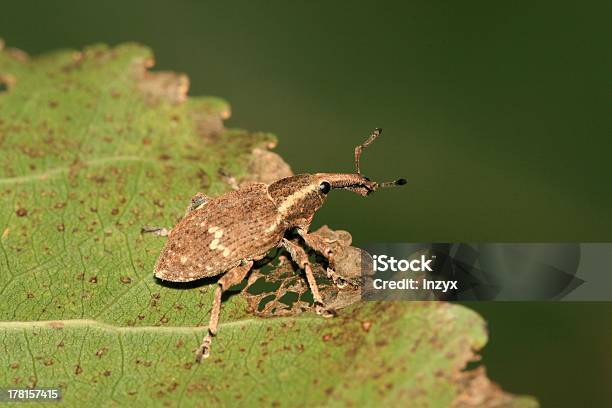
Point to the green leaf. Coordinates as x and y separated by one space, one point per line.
92 147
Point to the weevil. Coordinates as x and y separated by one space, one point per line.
225 235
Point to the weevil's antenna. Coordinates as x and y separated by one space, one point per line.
365 144
398 182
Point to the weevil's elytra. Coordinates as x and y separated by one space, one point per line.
226 234
217 236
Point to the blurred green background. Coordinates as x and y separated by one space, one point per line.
497 113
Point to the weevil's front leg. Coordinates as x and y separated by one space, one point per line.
320 245
232 277
300 257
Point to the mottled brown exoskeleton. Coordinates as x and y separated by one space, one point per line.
226 234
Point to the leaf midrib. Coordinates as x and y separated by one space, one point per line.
55 171
86 323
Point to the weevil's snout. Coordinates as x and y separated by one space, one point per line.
353 182
356 183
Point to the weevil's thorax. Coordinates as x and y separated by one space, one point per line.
297 198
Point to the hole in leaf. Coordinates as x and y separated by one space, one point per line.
238 287
307 297
262 286
472 365
265 301
289 298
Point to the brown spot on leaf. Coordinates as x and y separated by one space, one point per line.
100 179
476 390
14 365
125 280
155 299
101 351
93 279
145 363
21 212
366 325
61 227
7 82
78 369
163 86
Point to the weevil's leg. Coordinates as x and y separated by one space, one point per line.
321 246
196 201
231 278
375 133
229 179
300 257
159 231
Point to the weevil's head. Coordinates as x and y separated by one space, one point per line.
299 197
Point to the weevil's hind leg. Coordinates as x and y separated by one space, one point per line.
232 277
159 231
300 257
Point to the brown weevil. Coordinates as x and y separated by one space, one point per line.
226 234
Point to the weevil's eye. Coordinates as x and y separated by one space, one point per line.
324 187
